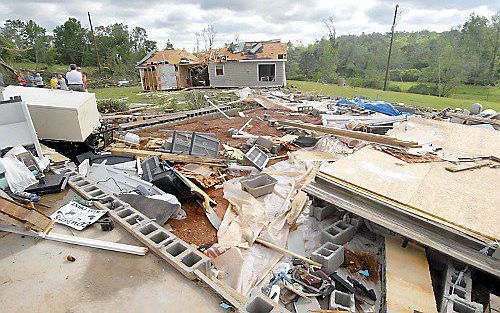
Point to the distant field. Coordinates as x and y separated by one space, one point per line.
470 95
466 92
401 97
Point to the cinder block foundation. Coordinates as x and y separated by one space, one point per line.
342 301
456 286
459 305
330 255
339 233
324 212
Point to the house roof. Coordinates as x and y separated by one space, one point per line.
257 50
171 56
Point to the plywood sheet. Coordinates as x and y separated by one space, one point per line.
467 200
408 281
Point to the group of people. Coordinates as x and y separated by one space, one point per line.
75 80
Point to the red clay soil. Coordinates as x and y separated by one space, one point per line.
196 228
220 125
355 262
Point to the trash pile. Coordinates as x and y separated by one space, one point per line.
277 201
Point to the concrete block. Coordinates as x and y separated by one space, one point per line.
342 301
264 143
459 305
339 233
321 213
356 221
330 255
259 303
304 306
455 286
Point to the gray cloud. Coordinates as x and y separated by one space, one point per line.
286 19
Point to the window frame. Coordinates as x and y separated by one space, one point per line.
223 70
258 72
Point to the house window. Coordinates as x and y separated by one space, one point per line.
219 70
281 56
267 72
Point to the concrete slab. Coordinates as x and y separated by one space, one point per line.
36 277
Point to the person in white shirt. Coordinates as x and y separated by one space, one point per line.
74 78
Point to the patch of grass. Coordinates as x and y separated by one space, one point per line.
464 92
391 96
133 94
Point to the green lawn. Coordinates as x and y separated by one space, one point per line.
399 97
133 94
465 92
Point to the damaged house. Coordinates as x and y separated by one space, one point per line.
168 69
252 64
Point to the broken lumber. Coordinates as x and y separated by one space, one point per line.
170 156
274 247
218 109
375 138
472 118
32 218
86 242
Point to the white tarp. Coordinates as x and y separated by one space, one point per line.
264 217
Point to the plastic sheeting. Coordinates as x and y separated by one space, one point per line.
374 106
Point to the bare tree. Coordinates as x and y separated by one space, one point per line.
198 36
209 37
330 26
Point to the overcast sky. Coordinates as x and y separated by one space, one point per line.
295 20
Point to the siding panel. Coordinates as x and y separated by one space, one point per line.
245 74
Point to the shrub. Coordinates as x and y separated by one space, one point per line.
111 105
394 88
372 83
424 89
411 75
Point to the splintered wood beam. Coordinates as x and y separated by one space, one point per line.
171 157
375 138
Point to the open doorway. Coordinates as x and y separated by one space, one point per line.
267 72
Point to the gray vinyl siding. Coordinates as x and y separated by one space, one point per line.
245 74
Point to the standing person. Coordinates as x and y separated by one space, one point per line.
53 82
62 83
74 78
21 80
38 80
29 80
84 77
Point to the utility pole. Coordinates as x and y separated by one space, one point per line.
390 47
95 46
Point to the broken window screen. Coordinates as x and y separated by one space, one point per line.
267 72
219 70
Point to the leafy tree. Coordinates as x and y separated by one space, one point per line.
70 40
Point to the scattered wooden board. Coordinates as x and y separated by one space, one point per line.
408 280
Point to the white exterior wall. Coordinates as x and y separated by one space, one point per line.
245 74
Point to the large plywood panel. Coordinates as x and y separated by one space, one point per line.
408 280
467 200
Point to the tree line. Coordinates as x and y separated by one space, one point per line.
118 46
438 62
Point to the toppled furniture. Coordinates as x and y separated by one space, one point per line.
16 126
259 185
257 157
59 114
194 143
